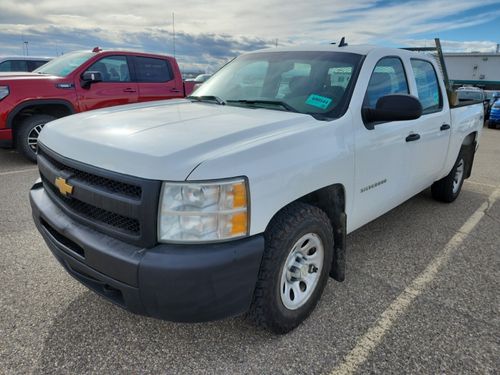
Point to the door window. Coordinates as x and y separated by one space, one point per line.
148 69
388 77
427 86
35 64
112 69
13 66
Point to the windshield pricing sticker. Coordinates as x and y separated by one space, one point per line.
318 101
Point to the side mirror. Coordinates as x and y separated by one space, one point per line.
394 107
90 77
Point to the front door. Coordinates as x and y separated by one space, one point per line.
116 87
382 157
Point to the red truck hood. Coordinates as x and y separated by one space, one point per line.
14 76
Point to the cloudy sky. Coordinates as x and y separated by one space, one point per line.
209 33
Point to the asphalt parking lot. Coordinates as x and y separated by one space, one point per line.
421 296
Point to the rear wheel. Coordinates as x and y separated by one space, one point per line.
448 188
28 133
491 125
294 268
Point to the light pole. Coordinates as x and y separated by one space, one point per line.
173 30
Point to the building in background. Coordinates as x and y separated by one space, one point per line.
474 68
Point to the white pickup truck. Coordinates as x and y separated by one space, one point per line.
239 198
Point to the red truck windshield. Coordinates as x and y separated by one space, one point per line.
316 83
65 64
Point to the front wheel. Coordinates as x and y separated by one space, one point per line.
448 188
294 268
28 133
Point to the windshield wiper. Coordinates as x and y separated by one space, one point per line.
254 102
207 98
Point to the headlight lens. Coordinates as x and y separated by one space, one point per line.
4 91
195 212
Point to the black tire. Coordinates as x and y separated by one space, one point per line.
445 190
491 125
28 132
290 225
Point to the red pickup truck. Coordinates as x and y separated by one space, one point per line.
81 81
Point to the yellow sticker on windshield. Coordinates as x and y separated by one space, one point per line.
318 101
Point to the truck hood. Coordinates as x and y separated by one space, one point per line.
165 140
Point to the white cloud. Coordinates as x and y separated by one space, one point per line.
128 23
454 46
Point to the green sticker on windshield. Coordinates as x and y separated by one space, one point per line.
318 101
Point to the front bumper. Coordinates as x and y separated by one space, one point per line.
184 283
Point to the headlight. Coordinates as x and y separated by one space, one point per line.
205 211
4 91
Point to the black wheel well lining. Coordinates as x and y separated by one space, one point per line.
468 147
55 108
332 200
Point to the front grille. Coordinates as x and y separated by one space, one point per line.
118 205
90 212
111 186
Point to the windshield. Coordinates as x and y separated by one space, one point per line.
65 64
316 83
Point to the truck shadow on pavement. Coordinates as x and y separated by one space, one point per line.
92 335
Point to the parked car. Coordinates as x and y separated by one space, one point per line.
466 94
492 97
239 198
200 79
494 119
21 63
81 81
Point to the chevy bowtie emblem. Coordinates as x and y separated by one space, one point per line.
64 188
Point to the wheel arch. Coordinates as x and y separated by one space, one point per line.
470 139
54 107
469 145
332 200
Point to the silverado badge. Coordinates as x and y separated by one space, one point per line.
64 188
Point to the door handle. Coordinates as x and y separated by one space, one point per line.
444 127
413 137
175 90
129 89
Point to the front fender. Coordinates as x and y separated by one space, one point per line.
287 167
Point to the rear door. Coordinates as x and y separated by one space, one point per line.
156 79
116 87
434 127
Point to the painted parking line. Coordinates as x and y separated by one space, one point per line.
372 338
18 171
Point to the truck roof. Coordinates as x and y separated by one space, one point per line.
30 58
124 51
362 49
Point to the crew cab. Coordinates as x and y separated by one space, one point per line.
77 82
238 199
